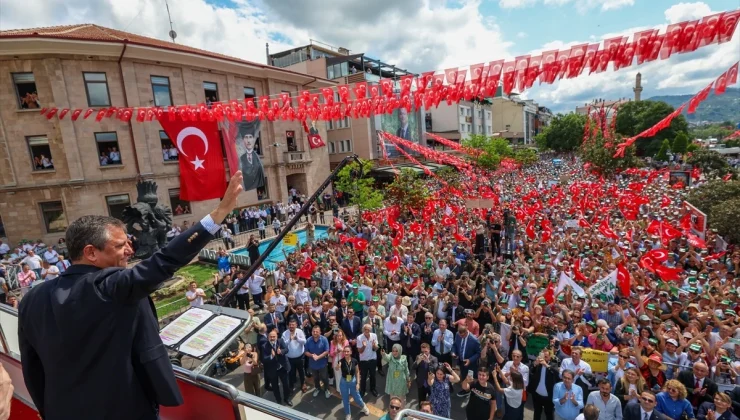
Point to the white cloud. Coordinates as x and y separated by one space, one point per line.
515 4
687 11
521 35
584 5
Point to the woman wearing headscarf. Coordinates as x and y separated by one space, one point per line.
398 379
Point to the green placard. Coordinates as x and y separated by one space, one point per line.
535 344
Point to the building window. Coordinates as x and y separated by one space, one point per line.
41 158
25 89
250 93
263 193
337 124
108 152
210 90
480 113
470 128
467 111
462 128
508 126
178 206
345 146
96 86
290 140
169 151
161 91
337 70
332 148
480 129
53 214
2 228
489 129
116 204
462 112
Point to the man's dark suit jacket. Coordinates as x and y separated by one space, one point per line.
632 412
686 377
89 339
273 363
271 325
423 368
552 376
356 329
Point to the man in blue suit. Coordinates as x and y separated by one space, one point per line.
275 361
274 320
467 352
89 339
352 327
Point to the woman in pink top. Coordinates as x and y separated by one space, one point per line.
338 343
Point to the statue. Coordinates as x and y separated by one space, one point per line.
148 221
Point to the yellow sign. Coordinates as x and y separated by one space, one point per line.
598 360
290 239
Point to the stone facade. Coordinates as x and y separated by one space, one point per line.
78 182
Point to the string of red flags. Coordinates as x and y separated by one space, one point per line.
449 86
727 78
454 145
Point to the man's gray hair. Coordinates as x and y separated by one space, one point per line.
89 230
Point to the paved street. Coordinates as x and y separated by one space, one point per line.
332 408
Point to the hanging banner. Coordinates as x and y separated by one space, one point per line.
605 288
698 220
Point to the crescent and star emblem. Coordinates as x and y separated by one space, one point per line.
192 131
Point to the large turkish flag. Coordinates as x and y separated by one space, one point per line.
202 174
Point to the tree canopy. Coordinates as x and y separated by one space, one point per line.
719 200
635 117
680 143
361 191
408 190
564 134
662 154
493 150
711 163
599 152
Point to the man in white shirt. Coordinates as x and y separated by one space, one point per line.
392 330
195 295
367 346
301 294
575 364
399 310
34 262
49 272
278 299
255 288
516 365
295 339
4 248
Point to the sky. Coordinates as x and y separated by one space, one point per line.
417 35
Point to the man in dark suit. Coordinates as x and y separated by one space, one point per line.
352 327
411 339
275 361
699 387
466 350
645 410
274 320
543 376
89 340
423 364
427 328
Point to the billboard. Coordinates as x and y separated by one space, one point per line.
403 124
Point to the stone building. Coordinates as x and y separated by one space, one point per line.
50 170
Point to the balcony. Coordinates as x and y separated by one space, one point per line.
297 157
361 77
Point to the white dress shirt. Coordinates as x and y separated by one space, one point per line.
522 368
295 346
568 364
367 353
389 328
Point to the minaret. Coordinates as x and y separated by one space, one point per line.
638 87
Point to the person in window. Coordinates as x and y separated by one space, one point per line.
103 159
186 210
173 153
47 162
179 210
165 153
37 163
114 157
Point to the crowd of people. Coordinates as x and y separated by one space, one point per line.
493 307
37 261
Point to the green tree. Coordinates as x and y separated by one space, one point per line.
526 156
541 140
720 201
451 176
490 148
691 148
565 132
408 190
636 117
662 154
680 143
716 131
712 164
600 154
361 190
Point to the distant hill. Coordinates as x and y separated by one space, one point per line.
721 108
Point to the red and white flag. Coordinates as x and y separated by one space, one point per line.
202 174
